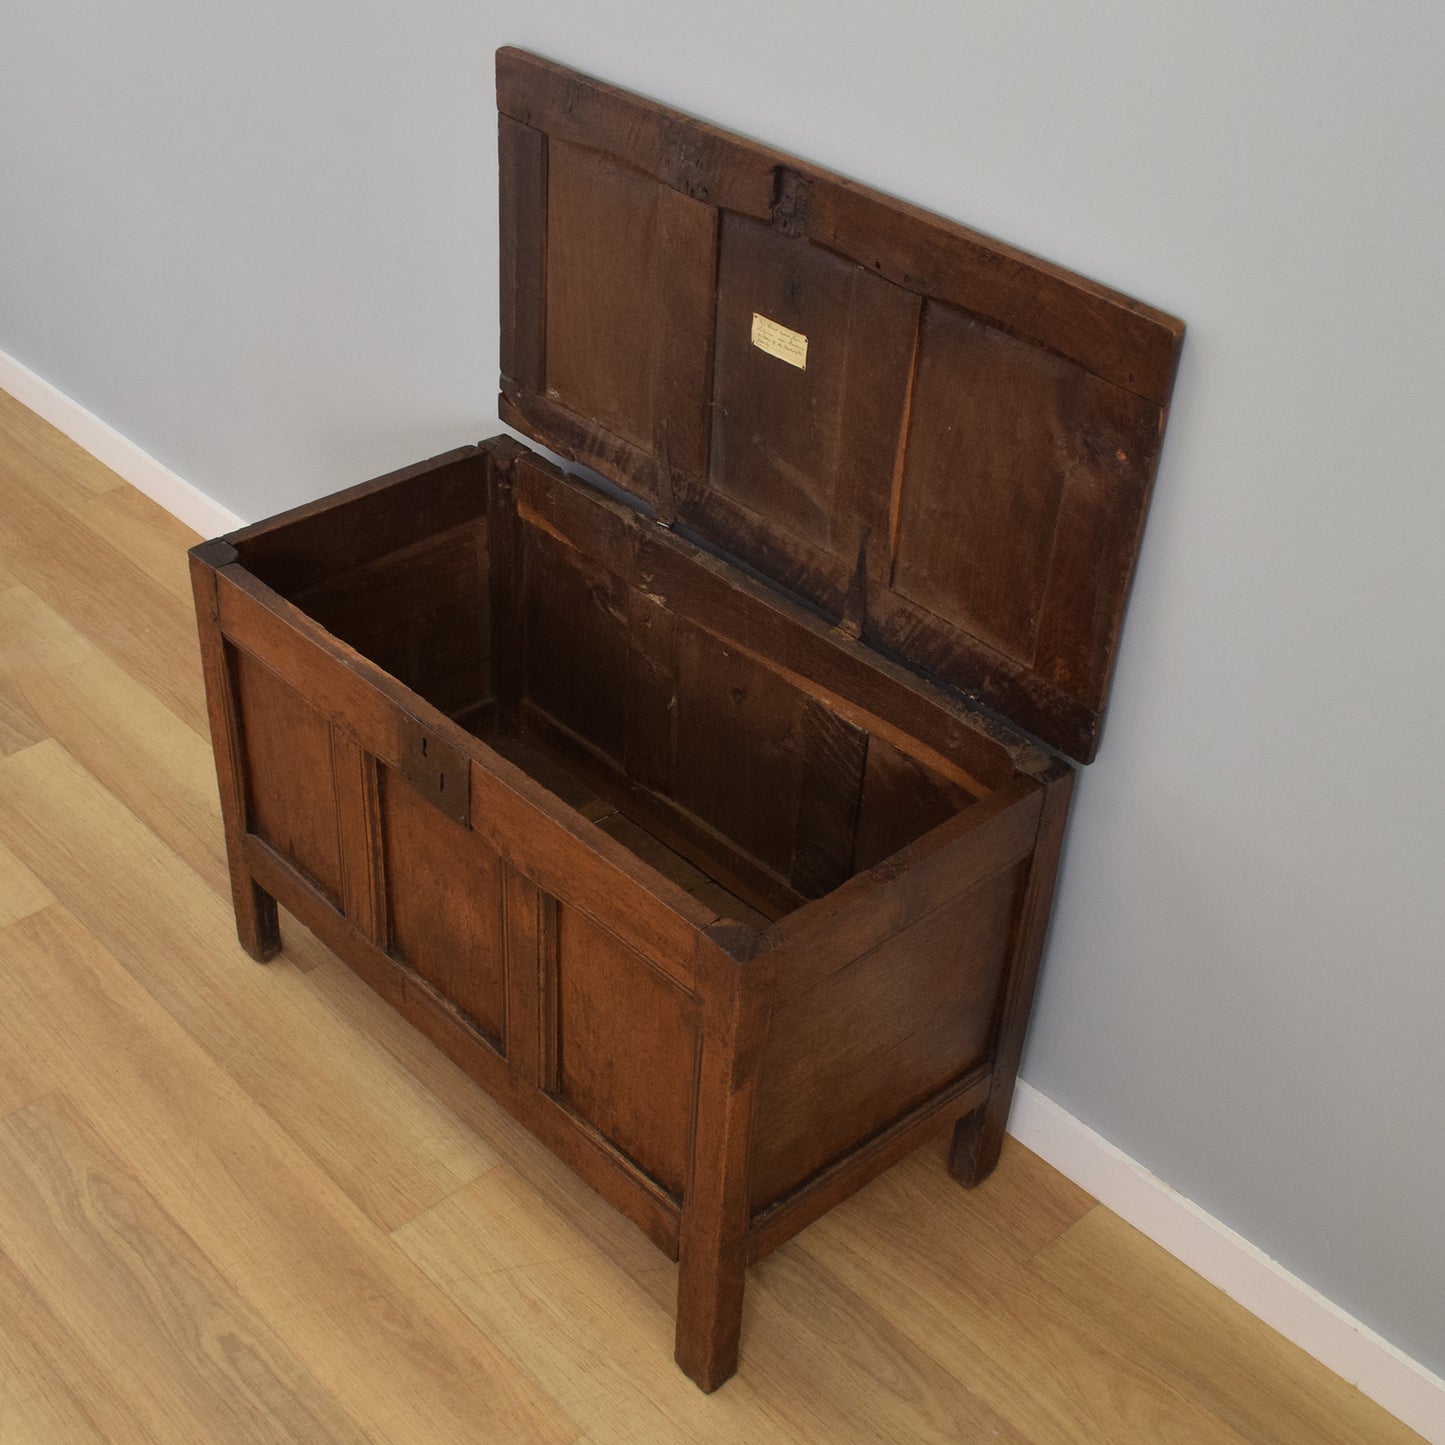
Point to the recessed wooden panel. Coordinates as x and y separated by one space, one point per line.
902 800
740 744
1022 496
874 1039
290 789
835 756
365 523
577 645
807 448
444 900
420 614
982 483
626 1048
601 289
608 293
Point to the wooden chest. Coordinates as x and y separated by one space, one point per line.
706 810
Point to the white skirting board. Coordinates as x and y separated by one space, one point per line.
191 505
1211 1249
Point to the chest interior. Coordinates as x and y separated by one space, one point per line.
742 747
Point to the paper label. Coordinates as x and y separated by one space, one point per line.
776 340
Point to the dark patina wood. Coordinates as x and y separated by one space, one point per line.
721 879
960 471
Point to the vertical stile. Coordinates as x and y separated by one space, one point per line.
687 235
504 545
523 932
736 996
522 177
256 923
978 1137
549 1062
358 818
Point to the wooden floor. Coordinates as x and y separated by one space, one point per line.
242 1203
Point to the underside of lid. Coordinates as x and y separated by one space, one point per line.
942 442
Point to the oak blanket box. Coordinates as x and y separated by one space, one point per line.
705 805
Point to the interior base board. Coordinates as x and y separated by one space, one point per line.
1227 1260
191 505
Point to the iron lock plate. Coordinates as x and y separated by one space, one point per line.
440 772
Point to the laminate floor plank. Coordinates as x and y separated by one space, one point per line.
18 726
389 1143
595 1340
1179 1325
21 892
46 458
279 1226
826 1353
127 739
962 1292
605 1231
153 540
301 1254
161 1324
25 1075
100 591
349 1239
53 1391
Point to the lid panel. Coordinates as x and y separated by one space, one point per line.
944 443
1106 332
609 281
1024 487
800 438
601 290
981 484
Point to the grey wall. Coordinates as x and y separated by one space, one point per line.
258 239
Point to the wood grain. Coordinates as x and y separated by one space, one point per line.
262 1209
34 455
575 1316
601 289
246 1105
21 892
967 1294
637 1092
158 766
866 1044
97 588
446 922
153 539
1114 336
1173 1322
522 215
156 1315
955 465
364 523
54 1390
872 691
803 447
102 863
420 612
18 726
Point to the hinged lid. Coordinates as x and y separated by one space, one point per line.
943 442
